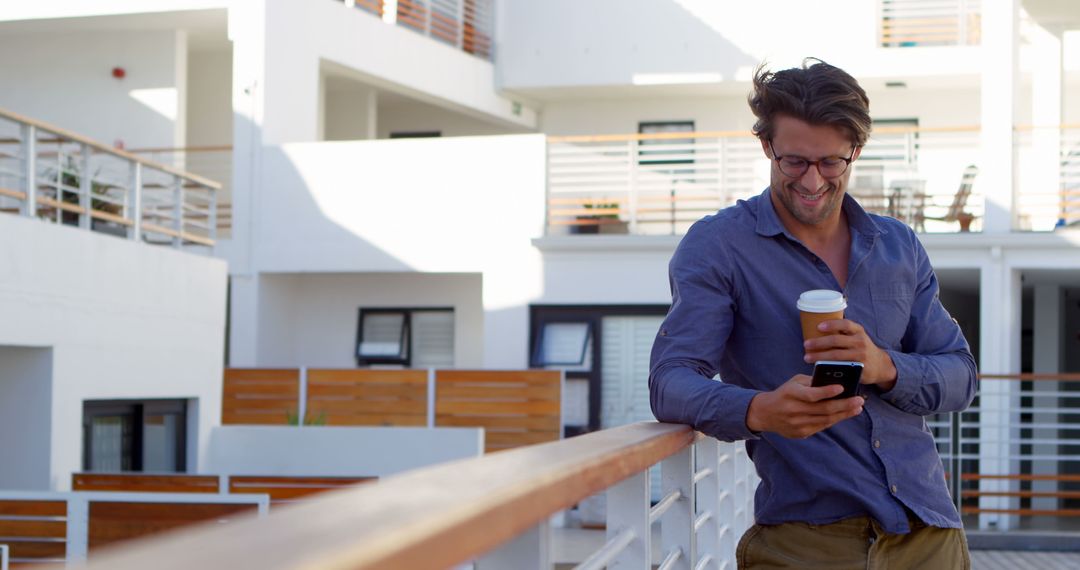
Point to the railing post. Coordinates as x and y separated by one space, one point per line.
955 464
134 202
211 216
677 524
726 509
632 186
178 211
628 511
530 550
461 24
29 139
86 187
707 491
431 393
3 557
301 399
78 527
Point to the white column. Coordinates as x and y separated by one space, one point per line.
244 321
371 124
1046 115
999 335
999 74
1047 342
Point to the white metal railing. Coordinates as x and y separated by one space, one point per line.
495 512
52 174
210 162
926 177
3 557
467 25
920 23
78 517
1010 458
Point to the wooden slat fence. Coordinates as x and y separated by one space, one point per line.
57 527
34 530
515 407
260 396
367 397
280 489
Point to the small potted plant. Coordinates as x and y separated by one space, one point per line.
604 221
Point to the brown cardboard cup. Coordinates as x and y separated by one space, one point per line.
819 305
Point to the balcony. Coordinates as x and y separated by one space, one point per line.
61 177
922 23
467 25
927 177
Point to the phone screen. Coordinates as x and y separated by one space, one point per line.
847 374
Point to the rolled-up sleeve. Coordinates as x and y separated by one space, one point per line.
935 370
688 347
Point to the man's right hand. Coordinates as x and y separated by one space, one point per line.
797 410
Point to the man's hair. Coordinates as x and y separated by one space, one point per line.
817 93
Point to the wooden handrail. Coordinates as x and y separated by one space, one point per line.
75 137
1027 376
429 518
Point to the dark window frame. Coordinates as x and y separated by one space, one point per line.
594 315
137 410
416 134
406 334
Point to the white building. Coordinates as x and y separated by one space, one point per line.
473 229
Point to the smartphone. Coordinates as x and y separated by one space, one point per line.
845 373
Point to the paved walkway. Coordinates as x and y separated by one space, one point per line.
1018 560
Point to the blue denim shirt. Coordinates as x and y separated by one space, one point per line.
735 278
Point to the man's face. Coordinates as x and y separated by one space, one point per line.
810 198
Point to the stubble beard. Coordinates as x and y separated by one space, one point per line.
831 198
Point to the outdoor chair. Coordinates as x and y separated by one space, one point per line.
956 212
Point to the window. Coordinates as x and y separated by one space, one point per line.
415 134
666 151
405 337
135 435
564 344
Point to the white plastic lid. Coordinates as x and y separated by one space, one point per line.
821 301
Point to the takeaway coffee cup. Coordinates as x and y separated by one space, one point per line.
818 305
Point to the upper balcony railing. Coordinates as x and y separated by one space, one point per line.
926 177
52 174
922 23
465 24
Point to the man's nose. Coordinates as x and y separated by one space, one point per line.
812 178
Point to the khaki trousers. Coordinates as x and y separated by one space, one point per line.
857 543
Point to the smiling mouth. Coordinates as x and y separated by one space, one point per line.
811 197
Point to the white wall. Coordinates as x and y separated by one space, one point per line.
124 320
363 46
209 112
25 417
414 116
77 8
337 451
471 205
66 79
310 319
615 42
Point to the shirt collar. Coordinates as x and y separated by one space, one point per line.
768 223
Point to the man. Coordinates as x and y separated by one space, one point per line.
851 483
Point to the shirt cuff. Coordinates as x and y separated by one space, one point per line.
908 378
732 425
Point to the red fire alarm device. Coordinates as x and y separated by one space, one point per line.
118 72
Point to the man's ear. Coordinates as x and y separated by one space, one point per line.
858 151
765 147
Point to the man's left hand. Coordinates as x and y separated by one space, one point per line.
847 340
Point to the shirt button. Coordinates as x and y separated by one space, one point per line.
877 443
893 489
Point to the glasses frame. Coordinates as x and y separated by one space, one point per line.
814 163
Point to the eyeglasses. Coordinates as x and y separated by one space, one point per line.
796 166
